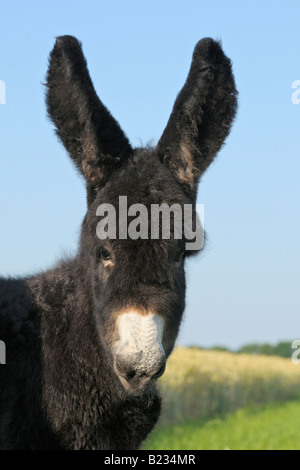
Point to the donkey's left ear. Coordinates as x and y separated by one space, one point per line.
93 138
202 116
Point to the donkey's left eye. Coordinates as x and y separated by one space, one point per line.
178 256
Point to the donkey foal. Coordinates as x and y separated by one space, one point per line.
86 340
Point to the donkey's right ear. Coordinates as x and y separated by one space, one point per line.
93 138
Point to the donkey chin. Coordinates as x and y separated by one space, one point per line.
139 356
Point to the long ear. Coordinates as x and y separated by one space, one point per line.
90 134
201 117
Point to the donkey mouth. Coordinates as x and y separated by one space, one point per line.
139 356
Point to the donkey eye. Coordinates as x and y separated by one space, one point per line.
179 255
103 253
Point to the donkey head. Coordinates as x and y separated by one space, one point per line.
136 274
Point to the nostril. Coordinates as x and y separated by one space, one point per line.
130 375
135 372
125 369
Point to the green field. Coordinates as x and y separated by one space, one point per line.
220 400
264 427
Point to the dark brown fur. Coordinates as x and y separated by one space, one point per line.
59 389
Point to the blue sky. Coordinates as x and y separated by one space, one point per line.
245 286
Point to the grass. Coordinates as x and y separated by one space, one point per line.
201 384
264 427
218 400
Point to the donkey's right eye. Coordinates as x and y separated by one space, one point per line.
103 253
